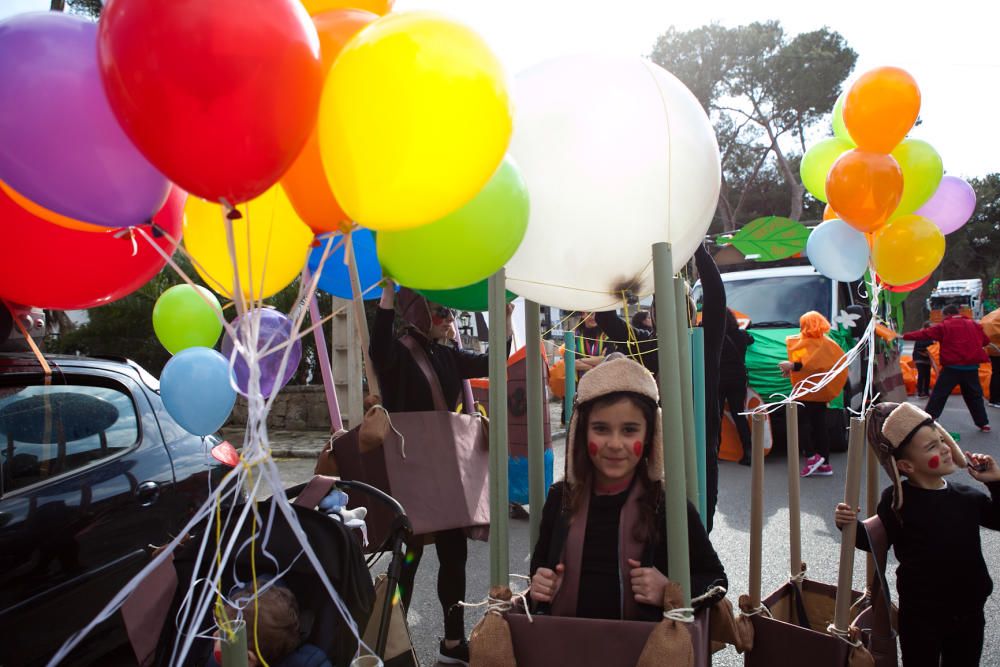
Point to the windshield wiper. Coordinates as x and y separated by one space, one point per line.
773 324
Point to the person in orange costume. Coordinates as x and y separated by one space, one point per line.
812 353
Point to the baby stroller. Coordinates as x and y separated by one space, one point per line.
336 546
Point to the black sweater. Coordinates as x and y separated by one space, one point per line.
936 540
404 387
642 350
599 583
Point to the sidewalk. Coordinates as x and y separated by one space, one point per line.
308 444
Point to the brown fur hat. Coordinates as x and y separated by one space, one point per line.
891 426
618 374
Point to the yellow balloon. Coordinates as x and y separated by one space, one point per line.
907 249
271 244
380 7
415 118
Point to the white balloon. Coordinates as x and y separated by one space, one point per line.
618 155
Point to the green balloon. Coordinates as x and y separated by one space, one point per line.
465 246
183 319
473 298
839 129
922 172
816 165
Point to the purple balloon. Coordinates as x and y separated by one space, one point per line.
275 329
952 205
60 144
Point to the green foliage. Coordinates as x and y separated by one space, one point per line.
771 238
762 91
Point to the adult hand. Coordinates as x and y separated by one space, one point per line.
843 516
648 583
786 368
991 472
545 583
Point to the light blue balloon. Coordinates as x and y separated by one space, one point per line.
838 251
196 390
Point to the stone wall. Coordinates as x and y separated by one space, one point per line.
296 408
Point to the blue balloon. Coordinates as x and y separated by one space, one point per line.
335 278
838 251
197 390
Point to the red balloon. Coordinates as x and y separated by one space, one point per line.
220 95
909 287
48 266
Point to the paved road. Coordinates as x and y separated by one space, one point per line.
820 538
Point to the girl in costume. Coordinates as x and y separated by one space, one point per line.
941 580
602 550
812 353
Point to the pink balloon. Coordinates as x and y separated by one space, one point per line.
952 205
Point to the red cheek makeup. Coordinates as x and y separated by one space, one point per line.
934 462
637 448
592 448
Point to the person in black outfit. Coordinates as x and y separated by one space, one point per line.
942 579
922 360
405 389
606 523
733 379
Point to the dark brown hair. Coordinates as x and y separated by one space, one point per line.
583 467
277 625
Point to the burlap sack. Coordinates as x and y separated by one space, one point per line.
729 629
490 644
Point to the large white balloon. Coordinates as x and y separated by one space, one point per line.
618 155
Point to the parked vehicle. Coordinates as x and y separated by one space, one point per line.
93 473
966 294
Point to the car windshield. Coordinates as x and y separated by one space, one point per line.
777 301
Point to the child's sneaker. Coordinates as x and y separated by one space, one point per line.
823 471
457 655
813 463
985 428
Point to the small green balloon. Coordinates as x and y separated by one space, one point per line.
922 172
182 318
465 246
816 164
839 129
474 298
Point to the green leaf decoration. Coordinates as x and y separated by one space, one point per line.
770 238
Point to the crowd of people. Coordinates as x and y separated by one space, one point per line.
603 525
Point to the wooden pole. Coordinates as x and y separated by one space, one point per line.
687 390
323 356
499 503
536 433
794 507
756 508
872 468
848 538
674 472
361 321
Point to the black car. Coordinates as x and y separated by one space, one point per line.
93 471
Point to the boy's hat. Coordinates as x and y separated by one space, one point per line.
618 374
891 427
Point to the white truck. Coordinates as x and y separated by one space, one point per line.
967 294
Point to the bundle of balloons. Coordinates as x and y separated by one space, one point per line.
889 204
331 134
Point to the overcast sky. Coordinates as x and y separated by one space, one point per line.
950 47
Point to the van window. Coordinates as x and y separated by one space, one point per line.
47 431
779 301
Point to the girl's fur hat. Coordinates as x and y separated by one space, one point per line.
618 374
891 426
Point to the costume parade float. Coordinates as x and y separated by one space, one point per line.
338 143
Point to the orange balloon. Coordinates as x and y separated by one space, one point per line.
881 107
864 188
50 216
380 7
830 214
305 181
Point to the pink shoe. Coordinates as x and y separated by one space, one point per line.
813 463
823 471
